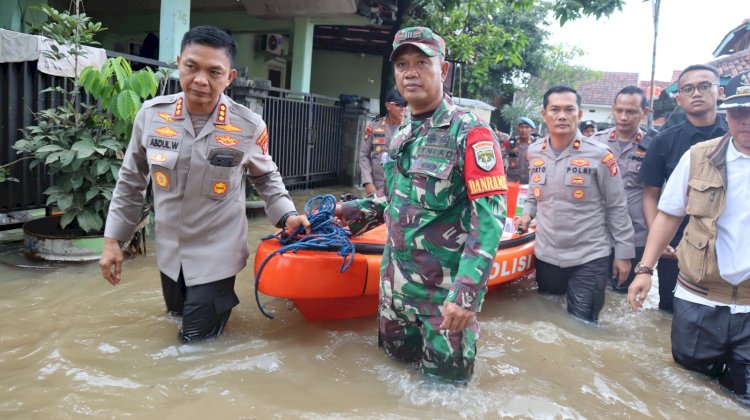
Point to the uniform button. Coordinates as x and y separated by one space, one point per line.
234 107
222 173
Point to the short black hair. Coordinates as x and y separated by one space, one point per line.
695 67
633 90
213 37
560 89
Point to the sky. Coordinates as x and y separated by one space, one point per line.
689 32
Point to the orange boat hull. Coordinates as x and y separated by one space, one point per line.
313 280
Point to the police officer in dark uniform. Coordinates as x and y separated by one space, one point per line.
588 128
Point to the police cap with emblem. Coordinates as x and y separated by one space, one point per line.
430 43
737 92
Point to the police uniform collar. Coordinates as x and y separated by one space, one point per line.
637 140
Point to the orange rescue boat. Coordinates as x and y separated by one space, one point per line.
313 282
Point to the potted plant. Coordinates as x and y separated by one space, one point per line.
78 144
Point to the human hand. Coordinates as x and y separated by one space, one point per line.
370 189
639 289
669 253
111 259
455 318
620 270
522 222
293 222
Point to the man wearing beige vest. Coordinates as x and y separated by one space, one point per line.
198 147
711 322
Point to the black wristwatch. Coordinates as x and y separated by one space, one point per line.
282 221
641 268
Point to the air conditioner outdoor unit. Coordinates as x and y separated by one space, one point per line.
272 44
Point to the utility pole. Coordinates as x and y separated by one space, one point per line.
655 8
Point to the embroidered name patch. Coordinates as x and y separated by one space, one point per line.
164 143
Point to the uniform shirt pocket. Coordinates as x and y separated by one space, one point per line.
163 165
223 174
431 184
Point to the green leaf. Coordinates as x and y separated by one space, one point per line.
67 157
76 180
102 166
120 74
128 104
64 202
49 148
89 220
91 193
68 217
52 158
84 148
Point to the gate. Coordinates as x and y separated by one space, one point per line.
305 137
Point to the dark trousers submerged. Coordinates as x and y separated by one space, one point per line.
204 308
668 272
418 340
714 342
584 285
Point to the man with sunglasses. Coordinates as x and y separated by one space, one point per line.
698 93
377 138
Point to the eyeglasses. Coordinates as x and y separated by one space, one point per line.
702 87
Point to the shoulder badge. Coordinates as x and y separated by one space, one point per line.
263 141
483 169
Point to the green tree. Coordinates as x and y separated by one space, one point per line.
556 69
476 33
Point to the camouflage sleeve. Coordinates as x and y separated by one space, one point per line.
479 252
365 166
619 224
484 176
364 214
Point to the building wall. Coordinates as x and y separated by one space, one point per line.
334 73
598 113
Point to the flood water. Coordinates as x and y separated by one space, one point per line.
71 345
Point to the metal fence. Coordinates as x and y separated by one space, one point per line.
304 132
305 137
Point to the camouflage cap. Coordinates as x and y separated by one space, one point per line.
430 43
737 91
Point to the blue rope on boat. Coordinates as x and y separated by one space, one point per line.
326 233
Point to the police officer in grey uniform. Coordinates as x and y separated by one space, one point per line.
515 151
197 147
576 192
377 138
624 139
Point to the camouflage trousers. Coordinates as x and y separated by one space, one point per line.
417 339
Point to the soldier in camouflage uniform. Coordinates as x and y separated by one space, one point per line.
443 197
377 137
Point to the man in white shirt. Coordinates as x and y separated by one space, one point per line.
711 322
